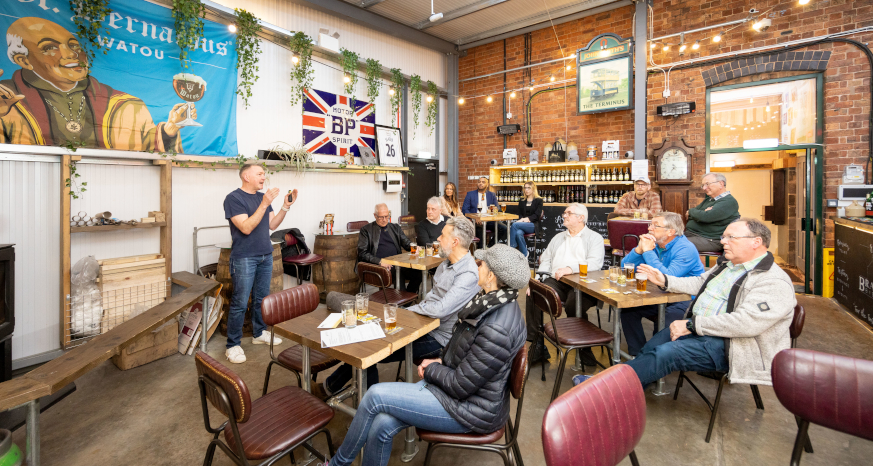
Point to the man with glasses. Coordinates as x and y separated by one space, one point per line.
667 250
707 221
738 321
565 252
382 239
642 199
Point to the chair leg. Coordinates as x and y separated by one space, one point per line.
678 385
210 452
267 378
715 407
808 446
399 367
429 449
297 269
633 458
759 403
563 355
802 434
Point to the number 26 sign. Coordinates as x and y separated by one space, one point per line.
390 146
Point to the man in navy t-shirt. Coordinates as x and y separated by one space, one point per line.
251 218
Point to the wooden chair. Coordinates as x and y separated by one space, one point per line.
356 226
508 450
264 430
380 277
284 306
794 331
300 260
567 334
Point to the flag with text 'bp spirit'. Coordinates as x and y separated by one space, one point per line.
136 96
332 127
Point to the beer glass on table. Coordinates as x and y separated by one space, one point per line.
362 303
503 208
436 249
629 272
583 270
429 249
390 317
350 318
413 249
641 282
613 274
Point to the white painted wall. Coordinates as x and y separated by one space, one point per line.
753 189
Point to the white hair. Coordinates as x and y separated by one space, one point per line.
580 209
435 201
15 46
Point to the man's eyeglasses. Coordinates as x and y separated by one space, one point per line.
383 217
567 214
707 184
731 238
653 226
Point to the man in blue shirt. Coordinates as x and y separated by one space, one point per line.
251 218
668 250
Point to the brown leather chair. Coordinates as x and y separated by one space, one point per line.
380 277
567 334
264 430
508 450
299 260
406 219
825 389
286 305
356 226
598 422
794 330
624 235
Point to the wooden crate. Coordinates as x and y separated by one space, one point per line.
152 346
130 286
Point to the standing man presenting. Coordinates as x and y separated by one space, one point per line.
251 218
707 221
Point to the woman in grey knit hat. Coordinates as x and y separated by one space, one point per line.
466 388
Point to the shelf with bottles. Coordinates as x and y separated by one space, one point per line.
586 183
558 204
579 175
566 195
579 163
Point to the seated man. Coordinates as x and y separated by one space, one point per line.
666 249
430 229
566 250
739 319
642 199
454 285
478 201
381 239
707 221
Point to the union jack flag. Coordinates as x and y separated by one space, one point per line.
332 127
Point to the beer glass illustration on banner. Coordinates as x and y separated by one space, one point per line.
191 89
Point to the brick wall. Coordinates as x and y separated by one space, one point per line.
847 83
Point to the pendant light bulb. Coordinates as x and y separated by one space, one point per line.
489 99
347 79
717 38
682 47
802 2
569 67
461 101
696 45
666 48
231 28
390 91
768 107
652 45
751 100
295 59
551 78
531 88
429 99
512 95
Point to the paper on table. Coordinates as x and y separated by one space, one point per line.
346 336
332 321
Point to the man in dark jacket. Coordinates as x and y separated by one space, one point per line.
478 201
382 239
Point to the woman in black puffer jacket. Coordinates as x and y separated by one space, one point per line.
467 387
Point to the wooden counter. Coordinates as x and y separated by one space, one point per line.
853 267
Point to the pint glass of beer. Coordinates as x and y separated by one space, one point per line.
362 303
436 249
503 208
641 282
421 252
390 317
583 270
413 249
629 272
350 320
429 249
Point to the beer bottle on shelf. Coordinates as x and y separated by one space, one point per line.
625 175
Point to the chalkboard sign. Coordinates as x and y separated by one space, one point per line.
553 223
853 270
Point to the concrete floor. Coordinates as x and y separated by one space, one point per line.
151 415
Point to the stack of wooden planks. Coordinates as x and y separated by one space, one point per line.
131 286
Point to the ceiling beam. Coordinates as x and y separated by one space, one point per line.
457 13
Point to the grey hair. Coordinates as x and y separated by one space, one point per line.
376 209
718 177
462 230
15 46
580 209
246 167
435 201
673 221
757 229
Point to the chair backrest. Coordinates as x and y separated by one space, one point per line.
545 298
406 219
518 373
233 386
374 275
826 389
598 422
290 240
355 226
796 327
288 304
617 229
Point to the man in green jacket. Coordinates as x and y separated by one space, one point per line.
707 221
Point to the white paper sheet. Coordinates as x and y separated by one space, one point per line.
639 168
332 320
347 336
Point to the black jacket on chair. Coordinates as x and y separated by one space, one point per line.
472 381
368 241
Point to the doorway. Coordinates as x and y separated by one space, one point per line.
423 183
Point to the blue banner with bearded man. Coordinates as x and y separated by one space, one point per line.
136 96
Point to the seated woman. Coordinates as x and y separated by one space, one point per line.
450 206
466 388
530 209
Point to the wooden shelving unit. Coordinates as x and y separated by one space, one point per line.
123 226
578 183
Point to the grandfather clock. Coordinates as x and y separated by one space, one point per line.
673 174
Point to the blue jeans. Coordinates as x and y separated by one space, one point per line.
516 235
632 322
248 274
425 347
387 409
661 356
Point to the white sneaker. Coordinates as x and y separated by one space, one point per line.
235 355
264 339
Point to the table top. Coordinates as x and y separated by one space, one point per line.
498 217
629 219
335 233
619 300
362 355
407 261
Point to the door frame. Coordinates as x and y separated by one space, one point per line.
411 160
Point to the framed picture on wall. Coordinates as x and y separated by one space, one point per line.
604 76
389 144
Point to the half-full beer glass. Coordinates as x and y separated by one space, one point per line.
629 272
362 303
390 317
641 282
413 249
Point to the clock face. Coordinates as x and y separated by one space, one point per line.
674 165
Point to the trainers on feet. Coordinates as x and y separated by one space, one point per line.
235 355
264 339
580 378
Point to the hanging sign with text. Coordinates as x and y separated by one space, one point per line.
604 75
331 127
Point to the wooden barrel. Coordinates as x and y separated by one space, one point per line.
223 276
409 230
340 255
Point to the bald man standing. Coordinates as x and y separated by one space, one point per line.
382 239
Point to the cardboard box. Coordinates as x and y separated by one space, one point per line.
158 344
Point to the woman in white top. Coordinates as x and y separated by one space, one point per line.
449 201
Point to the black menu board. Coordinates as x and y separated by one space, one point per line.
853 270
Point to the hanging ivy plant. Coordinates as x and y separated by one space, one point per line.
374 80
432 106
89 30
248 46
415 92
397 84
188 16
350 65
302 74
